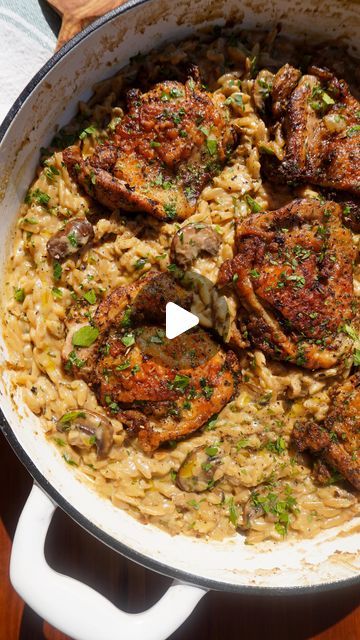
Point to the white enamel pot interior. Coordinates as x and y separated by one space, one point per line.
51 99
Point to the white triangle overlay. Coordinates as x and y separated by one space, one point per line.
178 320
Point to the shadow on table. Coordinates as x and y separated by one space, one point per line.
219 616
51 17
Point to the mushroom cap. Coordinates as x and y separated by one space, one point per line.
91 423
74 236
196 473
191 241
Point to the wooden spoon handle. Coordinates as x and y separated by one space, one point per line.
70 26
77 14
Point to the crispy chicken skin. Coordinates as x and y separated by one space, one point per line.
169 144
293 275
337 439
319 120
161 389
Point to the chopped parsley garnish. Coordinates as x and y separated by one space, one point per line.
74 361
60 442
85 336
194 504
254 206
320 100
233 512
114 123
57 270
128 339
350 331
175 270
124 365
206 389
19 295
135 369
67 418
353 131
28 220
180 382
90 296
72 239
140 263
51 171
301 253
126 319
211 425
242 444
253 66
69 460
56 293
276 446
88 131
211 451
299 280
236 98
176 93
280 508
170 210
204 130
212 146
37 196
265 87
113 406
254 273
300 358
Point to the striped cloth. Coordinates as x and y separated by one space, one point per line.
28 37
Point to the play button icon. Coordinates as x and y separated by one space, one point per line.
178 320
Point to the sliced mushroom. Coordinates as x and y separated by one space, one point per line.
250 512
262 88
191 241
91 423
74 236
198 469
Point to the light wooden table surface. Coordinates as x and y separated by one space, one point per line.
219 616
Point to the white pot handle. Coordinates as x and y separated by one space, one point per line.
73 607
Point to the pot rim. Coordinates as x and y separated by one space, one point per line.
25 459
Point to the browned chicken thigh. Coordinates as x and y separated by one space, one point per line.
293 274
337 439
169 144
320 123
162 389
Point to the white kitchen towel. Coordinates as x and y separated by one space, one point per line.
27 41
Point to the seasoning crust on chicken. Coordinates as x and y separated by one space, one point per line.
319 120
337 439
161 389
293 274
162 153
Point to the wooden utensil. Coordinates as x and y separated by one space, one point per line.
77 14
